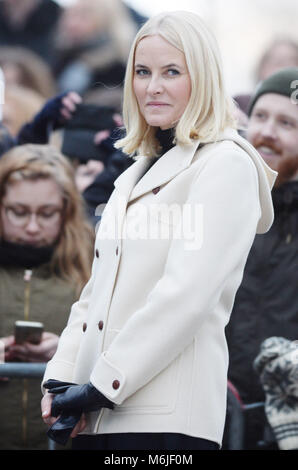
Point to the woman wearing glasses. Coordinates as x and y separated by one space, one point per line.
45 259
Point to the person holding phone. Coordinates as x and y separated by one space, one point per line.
46 247
142 362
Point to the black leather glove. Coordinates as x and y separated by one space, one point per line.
61 430
69 402
83 398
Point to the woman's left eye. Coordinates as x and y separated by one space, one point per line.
172 72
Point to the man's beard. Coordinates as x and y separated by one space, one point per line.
287 167
287 170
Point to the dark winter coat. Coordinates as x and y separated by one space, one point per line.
50 300
266 303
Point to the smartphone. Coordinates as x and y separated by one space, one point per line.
28 331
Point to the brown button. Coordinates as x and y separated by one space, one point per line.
116 384
84 327
117 250
156 190
97 253
100 325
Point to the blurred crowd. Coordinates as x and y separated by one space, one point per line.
63 70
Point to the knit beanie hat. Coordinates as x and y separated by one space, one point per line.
277 365
279 83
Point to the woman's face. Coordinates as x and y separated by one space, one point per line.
161 82
31 212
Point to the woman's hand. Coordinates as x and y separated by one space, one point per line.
28 352
46 405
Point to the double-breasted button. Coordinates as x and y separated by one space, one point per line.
156 190
97 253
116 384
100 325
84 327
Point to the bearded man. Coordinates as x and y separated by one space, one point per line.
266 302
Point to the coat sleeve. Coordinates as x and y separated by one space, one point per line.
193 279
60 367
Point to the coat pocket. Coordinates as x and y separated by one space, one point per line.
157 396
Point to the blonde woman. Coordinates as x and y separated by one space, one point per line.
145 343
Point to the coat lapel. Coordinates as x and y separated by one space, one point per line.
128 179
166 168
135 181
132 184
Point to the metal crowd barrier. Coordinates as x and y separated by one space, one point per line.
25 371
235 417
22 370
235 410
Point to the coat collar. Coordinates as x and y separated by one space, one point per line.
133 185
232 134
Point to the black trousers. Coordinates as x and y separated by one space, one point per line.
142 441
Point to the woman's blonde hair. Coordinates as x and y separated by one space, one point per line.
210 108
73 252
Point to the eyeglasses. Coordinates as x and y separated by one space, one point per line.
21 217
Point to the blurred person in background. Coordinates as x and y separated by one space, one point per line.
46 248
25 68
92 44
85 133
95 176
20 106
88 139
281 53
266 302
30 24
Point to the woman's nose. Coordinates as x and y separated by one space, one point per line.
155 86
32 225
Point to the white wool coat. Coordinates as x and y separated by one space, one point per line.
148 329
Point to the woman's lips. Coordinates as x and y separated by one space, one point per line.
156 104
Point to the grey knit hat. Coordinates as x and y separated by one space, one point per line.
281 82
